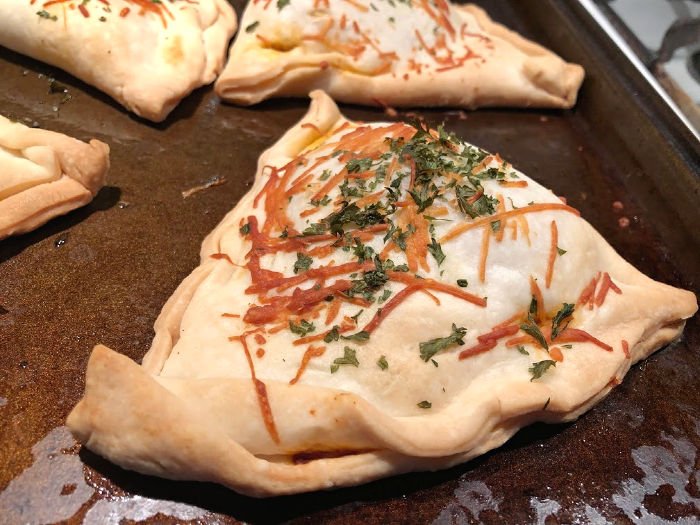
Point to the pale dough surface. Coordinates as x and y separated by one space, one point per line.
392 53
44 174
147 58
191 410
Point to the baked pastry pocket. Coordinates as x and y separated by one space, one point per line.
385 299
44 174
392 53
146 55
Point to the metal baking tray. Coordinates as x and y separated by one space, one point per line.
102 273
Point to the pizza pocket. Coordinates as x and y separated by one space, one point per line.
45 174
416 53
385 299
147 55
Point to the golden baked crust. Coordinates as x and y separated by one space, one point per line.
146 55
44 174
392 54
239 389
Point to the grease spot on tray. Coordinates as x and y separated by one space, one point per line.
475 497
54 488
38 494
138 508
672 468
544 508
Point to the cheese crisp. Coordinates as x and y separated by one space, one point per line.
385 299
146 54
45 174
396 53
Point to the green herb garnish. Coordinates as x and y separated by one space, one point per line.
302 263
566 311
429 348
436 251
348 358
357 337
538 369
332 335
304 327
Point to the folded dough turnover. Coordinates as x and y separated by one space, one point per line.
45 174
384 299
391 53
147 55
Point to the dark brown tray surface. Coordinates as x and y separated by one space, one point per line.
102 273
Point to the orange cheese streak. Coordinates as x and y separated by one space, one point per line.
485 221
556 354
574 335
425 46
515 319
311 169
157 8
309 211
525 226
437 286
357 5
313 273
334 181
309 125
333 310
588 292
626 349
500 208
369 199
389 307
416 244
552 253
276 201
568 335
223 256
298 302
437 211
485 242
605 285
310 353
513 183
366 141
271 181
489 341
299 184
260 390
514 227
344 327
537 294
435 299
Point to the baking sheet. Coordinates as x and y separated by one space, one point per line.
102 273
